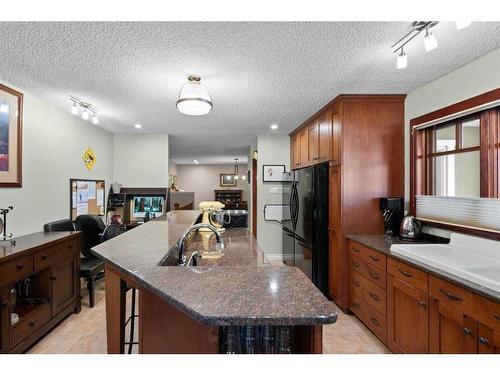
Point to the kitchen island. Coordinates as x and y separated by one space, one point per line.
236 303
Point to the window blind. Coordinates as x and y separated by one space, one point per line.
477 213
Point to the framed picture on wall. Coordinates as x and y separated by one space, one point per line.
227 180
272 173
11 122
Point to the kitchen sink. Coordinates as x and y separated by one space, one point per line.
471 258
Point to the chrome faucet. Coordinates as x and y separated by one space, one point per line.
182 241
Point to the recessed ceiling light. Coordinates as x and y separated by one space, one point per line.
138 126
274 126
196 162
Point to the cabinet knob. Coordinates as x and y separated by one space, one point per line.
44 256
497 317
19 267
31 323
355 264
374 297
374 258
483 341
467 331
356 283
355 250
374 275
422 303
54 277
70 246
375 321
4 303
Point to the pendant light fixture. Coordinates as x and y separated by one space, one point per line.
194 99
237 171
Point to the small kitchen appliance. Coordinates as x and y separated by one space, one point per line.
213 215
393 211
410 229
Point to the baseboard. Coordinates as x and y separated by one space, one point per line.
274 257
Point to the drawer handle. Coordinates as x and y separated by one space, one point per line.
497 317
375 321
4 304
374 258
31 323
374 297
356 283
450 296
44 256
483 341
70 246
422 303
19 267
53 277
355 264
405 273
468 331
355 250
374 275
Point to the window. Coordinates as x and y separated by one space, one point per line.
453 157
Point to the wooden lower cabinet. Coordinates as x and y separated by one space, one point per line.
64 285
407 316
4 320
424 313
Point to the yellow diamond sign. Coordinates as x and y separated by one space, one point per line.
89 158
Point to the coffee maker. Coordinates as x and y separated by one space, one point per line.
393 211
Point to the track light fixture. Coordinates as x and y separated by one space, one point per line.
86 110
430 40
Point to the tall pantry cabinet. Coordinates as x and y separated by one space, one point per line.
362 138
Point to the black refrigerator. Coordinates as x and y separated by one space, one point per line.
305 233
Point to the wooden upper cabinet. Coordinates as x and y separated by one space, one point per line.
313 141
336 138
407 317
295 151
304 147
324 137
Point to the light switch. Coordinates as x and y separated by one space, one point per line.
274 190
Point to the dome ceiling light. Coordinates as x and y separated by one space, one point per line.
194 99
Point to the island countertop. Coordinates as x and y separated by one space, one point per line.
241 288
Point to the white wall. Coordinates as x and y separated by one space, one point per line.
203 179
141 160
272 149
470 80
53 144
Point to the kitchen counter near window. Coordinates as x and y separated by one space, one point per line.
241 289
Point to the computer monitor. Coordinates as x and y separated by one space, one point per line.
141 205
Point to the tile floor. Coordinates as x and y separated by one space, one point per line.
85 333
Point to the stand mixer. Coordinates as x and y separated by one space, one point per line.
213 214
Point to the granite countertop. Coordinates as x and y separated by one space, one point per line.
383 244
241 288
31 242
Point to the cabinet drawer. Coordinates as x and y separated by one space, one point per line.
16 269
51 255
368 255
465 301
372 273
373 319
29 324
410 275
374 295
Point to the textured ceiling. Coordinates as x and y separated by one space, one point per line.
257 73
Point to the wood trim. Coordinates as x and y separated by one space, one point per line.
115 310
464 105
20 106
373 98
254 198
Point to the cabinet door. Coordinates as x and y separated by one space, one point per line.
313 142
335 272
295 151
304 148
488 340
407 317
4 320
325 134
336 138
451 332
64 284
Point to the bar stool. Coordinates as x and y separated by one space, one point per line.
131 320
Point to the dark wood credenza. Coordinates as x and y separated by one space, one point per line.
51 263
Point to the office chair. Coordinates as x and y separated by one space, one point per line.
92 267
59 226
